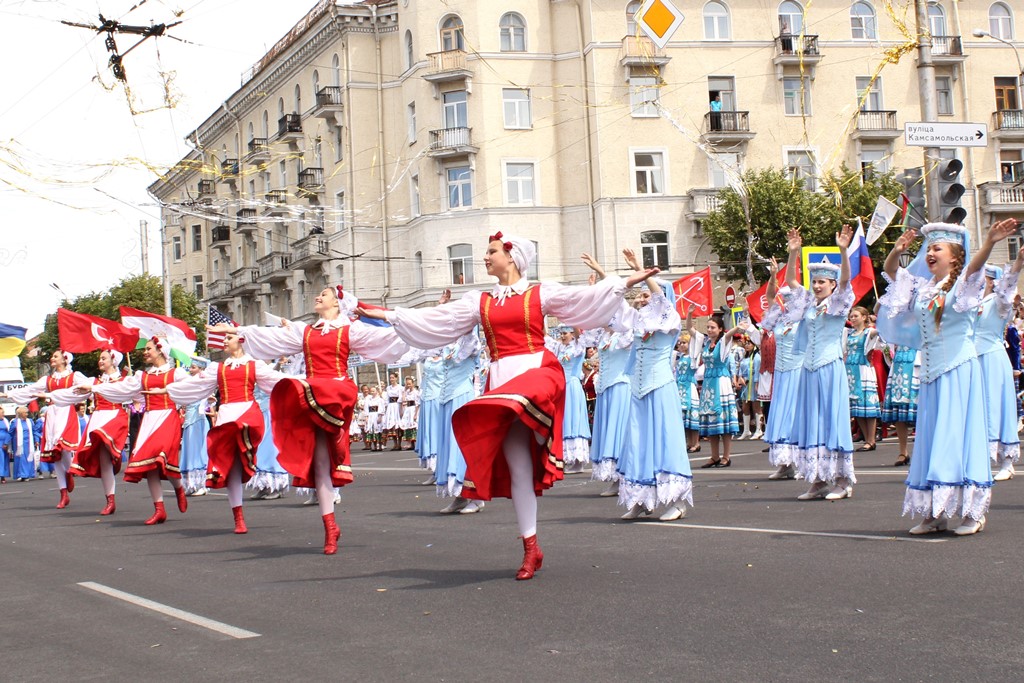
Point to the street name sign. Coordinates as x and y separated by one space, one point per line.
946 134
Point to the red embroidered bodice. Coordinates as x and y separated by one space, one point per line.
516 327
236 384
326 354
66 382
101 403
152 380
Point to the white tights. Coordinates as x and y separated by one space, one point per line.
155 488
61 468
235 485
520 467
322 475
107 475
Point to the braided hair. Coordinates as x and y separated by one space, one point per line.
954 274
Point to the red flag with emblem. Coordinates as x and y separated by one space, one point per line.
694 292
80 333
757 301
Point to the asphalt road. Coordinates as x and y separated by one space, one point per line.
752 586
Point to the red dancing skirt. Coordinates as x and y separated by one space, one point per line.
537 399
301 407
68 434
104 438
234 439
157 446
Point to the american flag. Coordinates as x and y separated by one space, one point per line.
214 340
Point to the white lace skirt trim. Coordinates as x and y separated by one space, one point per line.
270 480
193 480
1001 452
429 463
606 470
950 501
575 450
450 489
822 464
667 490
782 454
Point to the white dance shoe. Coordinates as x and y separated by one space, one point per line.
756 435
784 472
929 526
474 506
818 490
199 492
260 494
612 490
969 526
745 435
272 495
573 468
840 492
429 482
337 497
312 500
457 505
635 512
1005 472
677 511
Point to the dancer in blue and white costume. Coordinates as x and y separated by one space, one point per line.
687 365
990 341
460 366
900 405
570 352
858 341
429 426
719 418
271 481
932 305
824 454
194 428
780 430
654 468
749 372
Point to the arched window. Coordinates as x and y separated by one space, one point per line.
418 275
336 68
791 18
298 99
316 82
936 19
1000 21
862 21
280 107
265 131
453 35
410 57
513 32
460 261
716 21
631 9
252 131
654 247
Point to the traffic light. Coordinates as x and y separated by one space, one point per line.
912 180
950 192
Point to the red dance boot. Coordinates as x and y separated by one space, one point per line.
64 500
159 517
331 534
71 482
533 558
240 527
179 493
110 507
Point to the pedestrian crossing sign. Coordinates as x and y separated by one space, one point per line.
659 19
812 255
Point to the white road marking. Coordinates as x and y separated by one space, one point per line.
791 532
173 612
387 469
764 473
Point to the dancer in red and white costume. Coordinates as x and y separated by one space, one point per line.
99 454
232 443
155 451
61 430
311 416
511 435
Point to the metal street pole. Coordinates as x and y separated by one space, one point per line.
165 258
929 109
144 243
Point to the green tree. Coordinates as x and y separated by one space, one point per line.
144 292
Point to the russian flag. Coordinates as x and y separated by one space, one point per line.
862 272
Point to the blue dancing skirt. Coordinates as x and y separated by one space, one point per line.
1000 404
611 423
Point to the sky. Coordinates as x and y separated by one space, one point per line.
75 161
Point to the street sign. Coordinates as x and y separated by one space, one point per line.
946 134
730 296
659 19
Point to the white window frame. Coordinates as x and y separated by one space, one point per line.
410 115
805 83
632 8
873 90
414 195
462 184
794 21
197 287
640 104
340 212
176 254
717 21
944 103
506 180
812 153
466 261
865 24
512 32
715 167
996 24
197 237
663 151
879 166
522 109
455 108
645 247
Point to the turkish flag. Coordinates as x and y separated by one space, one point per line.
757 301
694 291
81 333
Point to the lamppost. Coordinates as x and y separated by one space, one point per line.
978 33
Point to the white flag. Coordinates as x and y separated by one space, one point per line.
880 219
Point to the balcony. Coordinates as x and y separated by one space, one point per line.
259 151
245 221
876 124
1002 198
311 182
228 168
275 267
451 142
1008 124
310 251
330 104
221 237
289 129
640 51
207 191
447 66
947 50
727 127
277 203
218 290
796 50
703 201
245 281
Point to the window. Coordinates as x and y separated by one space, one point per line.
516 105
268 242
716 21
298 100
1011 168
460 261
533 272
418 265
791 18
197 238
873 160
869 93
724 86
455 111
410 114
341 217
282 174
800 165
513 33
339 145
643 96
519 184
197 286
654 248
936 20
796 96
862 21
336 69
265 123
460 187
631 9
316 83
414 195
216 269
1006 93
717 165
410 57
452 35
1014 244
648 173
176 248
944 95
1000 21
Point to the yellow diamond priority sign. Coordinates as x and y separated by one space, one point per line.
659 19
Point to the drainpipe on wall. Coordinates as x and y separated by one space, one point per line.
586 123
380 155
966 102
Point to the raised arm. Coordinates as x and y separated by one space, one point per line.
593 265
996 234
843 239
892 261
429 328
773 285
634 263
794 242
